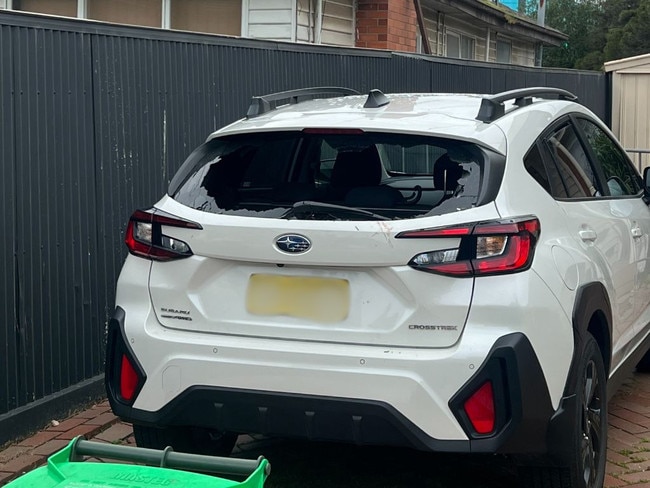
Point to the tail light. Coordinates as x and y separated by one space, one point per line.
480 409
484 248
144 236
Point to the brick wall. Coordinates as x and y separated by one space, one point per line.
387 24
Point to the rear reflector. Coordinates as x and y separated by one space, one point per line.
129 379
480 409
482 248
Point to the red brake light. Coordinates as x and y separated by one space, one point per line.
480 409
144 236
129 379
327 131
484 248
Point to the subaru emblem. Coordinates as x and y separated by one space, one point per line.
293 243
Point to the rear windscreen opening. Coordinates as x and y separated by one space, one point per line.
333 175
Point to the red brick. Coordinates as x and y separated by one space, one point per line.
50 447
641 455
376 45
642 476
624 437
23 463
611 482
639 485
5 477
627 426
617 458
85 430
66 424
616 470
10 453
637 466
619 446
38 439
117 432
630 416
103 419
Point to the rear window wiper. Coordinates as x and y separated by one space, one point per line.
310 210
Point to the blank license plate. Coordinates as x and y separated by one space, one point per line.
317 299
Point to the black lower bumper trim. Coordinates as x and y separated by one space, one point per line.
523 429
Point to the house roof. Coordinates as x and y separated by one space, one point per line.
500 18
634 64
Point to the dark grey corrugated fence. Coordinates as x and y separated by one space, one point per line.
94 120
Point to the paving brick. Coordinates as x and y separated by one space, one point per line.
624 437
5 477
627 426
50 447
640 456
638 408
638 477
616 457
38 439
631 416
616 470
23 463
103 419
638 466
639 485
611 482
66 424
12 452
84 430
116 432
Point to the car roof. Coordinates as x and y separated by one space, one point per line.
439 114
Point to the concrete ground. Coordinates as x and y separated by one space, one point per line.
628 442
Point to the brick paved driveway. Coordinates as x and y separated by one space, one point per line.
326 465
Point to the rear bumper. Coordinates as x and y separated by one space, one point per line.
522 401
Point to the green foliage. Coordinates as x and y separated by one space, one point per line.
631 35
598 30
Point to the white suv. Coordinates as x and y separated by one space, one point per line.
457 273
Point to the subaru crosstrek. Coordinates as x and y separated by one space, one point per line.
457 273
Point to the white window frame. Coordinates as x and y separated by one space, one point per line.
472 42
456 36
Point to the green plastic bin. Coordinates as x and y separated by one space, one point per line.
161 468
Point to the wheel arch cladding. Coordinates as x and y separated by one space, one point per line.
592 313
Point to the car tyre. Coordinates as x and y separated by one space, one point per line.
589 436
185 439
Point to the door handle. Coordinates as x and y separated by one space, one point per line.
636 232
588 235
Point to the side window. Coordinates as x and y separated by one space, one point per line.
572 164
620 175
535 166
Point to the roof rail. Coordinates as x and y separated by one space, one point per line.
492 105
265 103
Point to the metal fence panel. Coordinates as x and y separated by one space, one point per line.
58 341
94 121
8 357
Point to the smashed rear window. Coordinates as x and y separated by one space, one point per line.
332 174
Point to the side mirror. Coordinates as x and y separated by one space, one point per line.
646 183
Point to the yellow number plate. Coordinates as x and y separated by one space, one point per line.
317 299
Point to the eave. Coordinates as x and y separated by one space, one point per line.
500 18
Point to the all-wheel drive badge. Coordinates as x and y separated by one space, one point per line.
293 243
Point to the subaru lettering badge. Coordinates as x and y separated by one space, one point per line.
293 243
